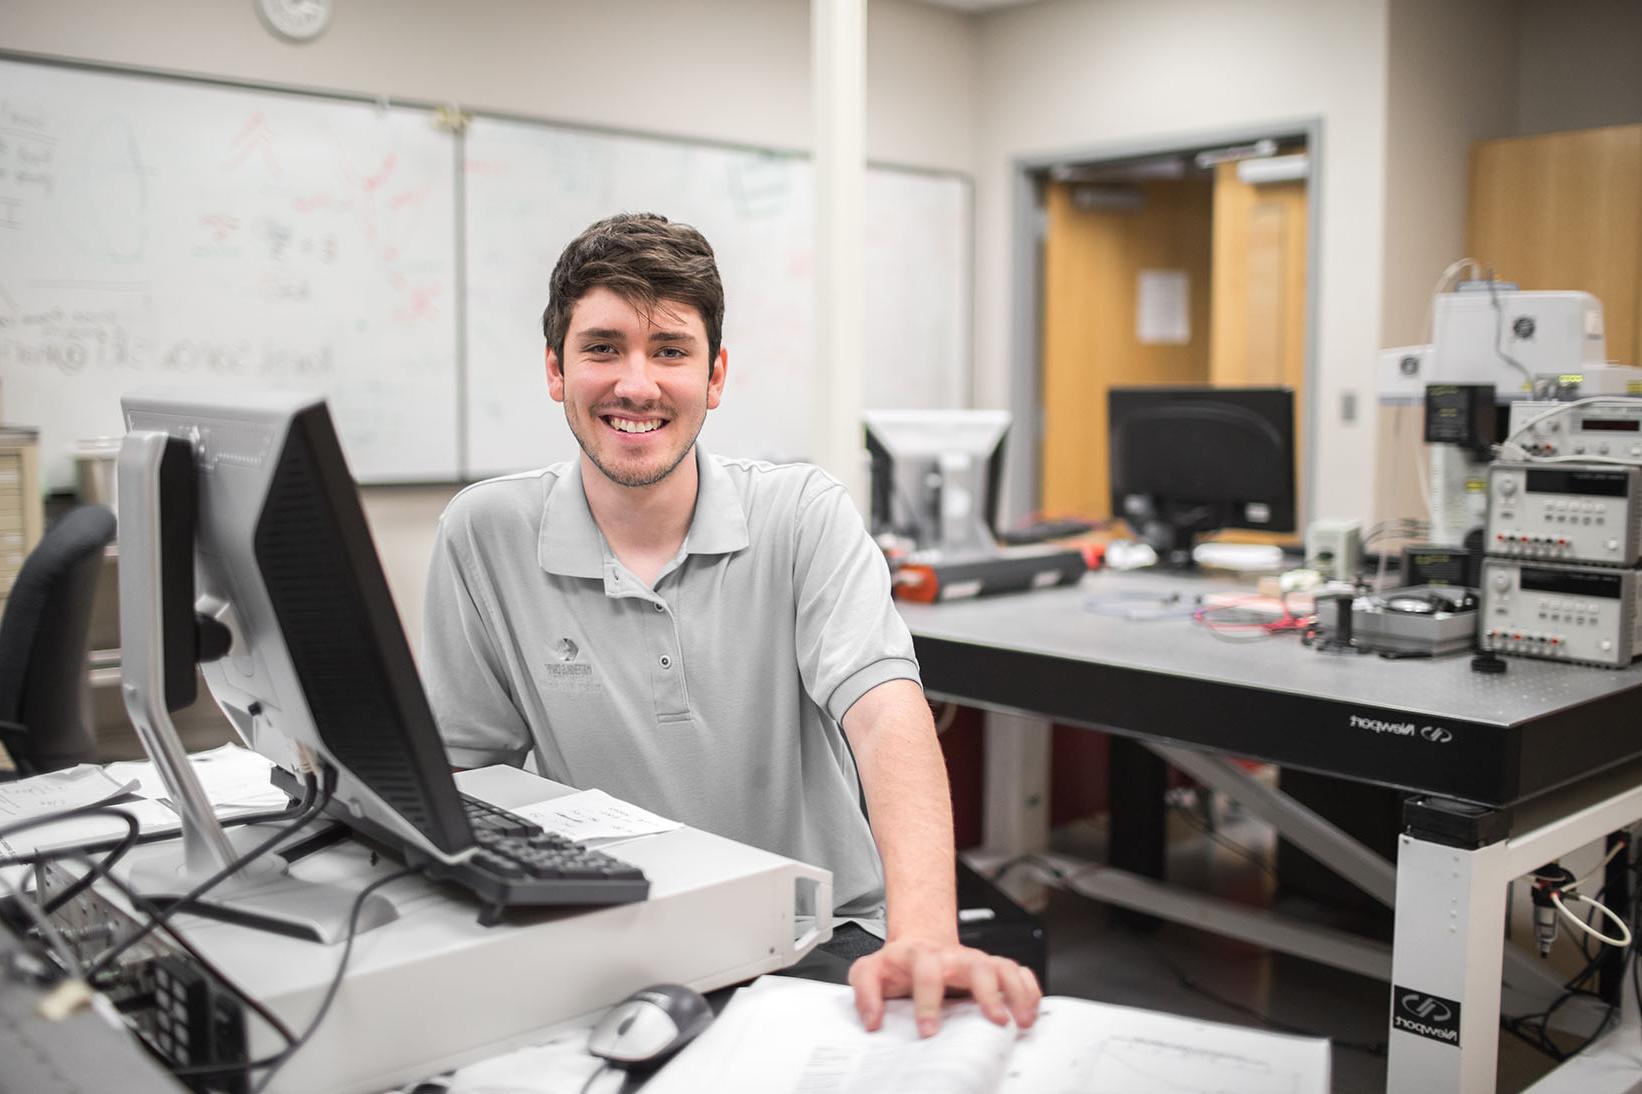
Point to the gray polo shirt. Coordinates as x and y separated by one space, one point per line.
715 697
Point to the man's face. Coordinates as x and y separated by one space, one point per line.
635 389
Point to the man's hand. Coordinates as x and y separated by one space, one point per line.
925 970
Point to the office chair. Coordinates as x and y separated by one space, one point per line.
43 644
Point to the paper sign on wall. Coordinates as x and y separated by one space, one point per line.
1163 310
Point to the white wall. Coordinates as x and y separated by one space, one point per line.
1580 64
1451 81
729 70
1080 75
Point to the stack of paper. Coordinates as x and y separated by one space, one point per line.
80 785
235 780
786 1036
594 818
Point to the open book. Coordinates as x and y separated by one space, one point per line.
790 1036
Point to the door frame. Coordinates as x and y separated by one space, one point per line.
1023 463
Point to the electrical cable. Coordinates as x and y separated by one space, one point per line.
1499 332
600 1070
336 980
147 908
1397 528
1256 626
102 866
1556 899
1135 606
1620 844
47 929
302 821
119 848
1534 1028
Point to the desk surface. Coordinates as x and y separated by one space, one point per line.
1428 725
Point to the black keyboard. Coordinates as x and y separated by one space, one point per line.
540 868
518 864
493 818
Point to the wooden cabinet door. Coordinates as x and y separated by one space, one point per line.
1564 211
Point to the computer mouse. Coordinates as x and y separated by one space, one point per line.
649 1026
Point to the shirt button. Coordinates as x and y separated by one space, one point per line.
660 607
666 662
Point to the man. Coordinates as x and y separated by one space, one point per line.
712 639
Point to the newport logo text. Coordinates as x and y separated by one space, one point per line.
1401 729
1426 1015
1434 734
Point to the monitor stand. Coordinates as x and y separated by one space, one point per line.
262 892
1172 543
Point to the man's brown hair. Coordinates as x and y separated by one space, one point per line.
644 258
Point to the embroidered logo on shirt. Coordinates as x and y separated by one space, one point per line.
562 672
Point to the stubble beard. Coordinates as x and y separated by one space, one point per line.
615 475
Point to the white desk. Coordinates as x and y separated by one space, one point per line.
435 990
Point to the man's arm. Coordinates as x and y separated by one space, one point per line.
464 678
893 737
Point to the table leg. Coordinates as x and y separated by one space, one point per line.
1137 781
1445 967
1016 820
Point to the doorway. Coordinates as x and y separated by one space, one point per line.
1190 264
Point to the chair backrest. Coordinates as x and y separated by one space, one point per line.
43 642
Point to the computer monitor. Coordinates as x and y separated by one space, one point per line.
935 476
241 527
1186 461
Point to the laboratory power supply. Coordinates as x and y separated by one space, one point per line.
1565 512
1577 613
1608 429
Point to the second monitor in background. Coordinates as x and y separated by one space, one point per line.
935 477
1187 461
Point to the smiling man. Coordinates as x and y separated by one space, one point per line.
710 638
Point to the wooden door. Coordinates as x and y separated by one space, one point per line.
1096 251
1257 332
1564 211
1258 317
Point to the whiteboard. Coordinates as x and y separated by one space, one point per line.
157 231
530 188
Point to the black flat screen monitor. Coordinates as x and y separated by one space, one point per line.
1187 461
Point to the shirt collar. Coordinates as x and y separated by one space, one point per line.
719 524
571 545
